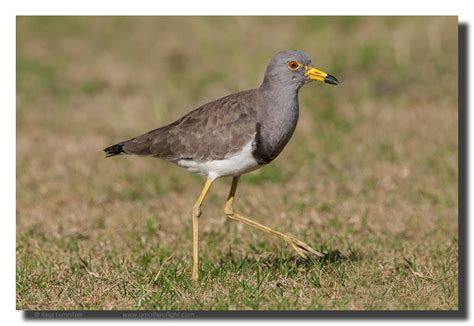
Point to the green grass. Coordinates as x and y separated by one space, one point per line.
369 178
153 278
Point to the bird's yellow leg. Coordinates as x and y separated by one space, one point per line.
195 215
300 247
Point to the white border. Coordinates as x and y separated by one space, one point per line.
241 7
9 9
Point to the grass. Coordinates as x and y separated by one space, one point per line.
370 176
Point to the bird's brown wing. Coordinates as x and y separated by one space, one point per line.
213 131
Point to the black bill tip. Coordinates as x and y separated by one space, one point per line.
330 79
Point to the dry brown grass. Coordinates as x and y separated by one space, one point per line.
370 175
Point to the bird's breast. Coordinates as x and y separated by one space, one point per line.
273 133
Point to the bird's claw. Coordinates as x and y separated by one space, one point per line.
302 248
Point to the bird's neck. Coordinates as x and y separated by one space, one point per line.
277 115
276 85
277 98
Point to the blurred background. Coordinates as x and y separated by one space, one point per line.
371 171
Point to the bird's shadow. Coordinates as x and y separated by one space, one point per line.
331 257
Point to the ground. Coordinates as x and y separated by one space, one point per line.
370 176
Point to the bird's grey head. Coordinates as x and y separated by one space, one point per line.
293 69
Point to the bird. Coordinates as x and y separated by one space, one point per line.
234 135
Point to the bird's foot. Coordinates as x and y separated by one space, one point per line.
302 248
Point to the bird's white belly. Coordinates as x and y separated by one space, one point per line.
240 163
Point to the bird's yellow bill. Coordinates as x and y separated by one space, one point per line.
316 74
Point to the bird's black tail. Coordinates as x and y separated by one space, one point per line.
113 150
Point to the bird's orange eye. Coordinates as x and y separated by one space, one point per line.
293 65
